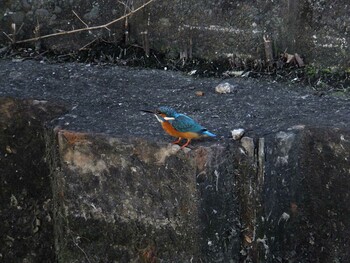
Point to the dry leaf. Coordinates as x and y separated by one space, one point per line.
248 239
199 93
295 59
289 57
10 150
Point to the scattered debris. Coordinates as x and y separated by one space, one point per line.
293 59
237 133
199 93
234 73
226 87
264 242
18 59
246 75
9 149
285 217
297 127
192 72
248 239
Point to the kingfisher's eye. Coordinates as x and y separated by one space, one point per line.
158 112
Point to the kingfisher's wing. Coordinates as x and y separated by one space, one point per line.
183 123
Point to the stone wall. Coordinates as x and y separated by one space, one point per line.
315 29
295 212
71 196
136 201
26 206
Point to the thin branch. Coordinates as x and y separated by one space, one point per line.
88 44
80 18
87 28
8 37
125 5
19 29
82 250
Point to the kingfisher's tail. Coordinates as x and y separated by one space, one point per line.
208 133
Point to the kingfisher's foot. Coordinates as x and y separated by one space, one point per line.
187 143
177 141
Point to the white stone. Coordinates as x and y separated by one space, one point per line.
224 88
237 133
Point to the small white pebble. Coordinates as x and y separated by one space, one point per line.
224 88
237 133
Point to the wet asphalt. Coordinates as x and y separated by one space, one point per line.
108 99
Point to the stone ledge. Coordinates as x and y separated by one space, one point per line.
283 196
278 193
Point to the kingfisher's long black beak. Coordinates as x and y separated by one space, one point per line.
149 111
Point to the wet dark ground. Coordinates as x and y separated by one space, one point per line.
108 99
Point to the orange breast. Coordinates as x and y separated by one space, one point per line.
169 129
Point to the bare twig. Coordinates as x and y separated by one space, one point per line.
19 29
87 28
125 5
82 250
8 37
12 37
80 18
88 44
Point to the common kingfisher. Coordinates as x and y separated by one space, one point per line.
179 125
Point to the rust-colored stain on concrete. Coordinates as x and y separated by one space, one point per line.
73 138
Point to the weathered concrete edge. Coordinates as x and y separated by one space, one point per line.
26 232
74 154
253 170
253 159
294 189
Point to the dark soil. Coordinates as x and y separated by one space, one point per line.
108 99
103 52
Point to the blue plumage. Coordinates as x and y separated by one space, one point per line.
208 133
183 123
179 125
169 112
